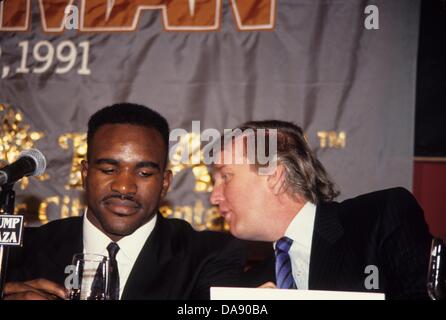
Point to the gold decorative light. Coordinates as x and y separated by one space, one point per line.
79 142
188 155
16 137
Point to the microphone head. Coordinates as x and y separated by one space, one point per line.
38 158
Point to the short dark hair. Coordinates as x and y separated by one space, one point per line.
305 174
128 113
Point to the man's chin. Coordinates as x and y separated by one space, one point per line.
236 232
118 229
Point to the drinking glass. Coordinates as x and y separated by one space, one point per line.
91 277
436 273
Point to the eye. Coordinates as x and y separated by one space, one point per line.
107 170
146 174
226 177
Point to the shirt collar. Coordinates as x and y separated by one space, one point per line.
300 230
95 241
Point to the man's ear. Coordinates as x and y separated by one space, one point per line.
167 181
84 173
276 180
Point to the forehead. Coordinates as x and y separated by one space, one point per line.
233 152
127 141
225 158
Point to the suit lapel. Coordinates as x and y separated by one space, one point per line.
327 251
156 252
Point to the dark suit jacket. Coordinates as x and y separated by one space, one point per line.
176 261
384 228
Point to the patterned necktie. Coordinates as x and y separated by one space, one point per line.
113 280
284 275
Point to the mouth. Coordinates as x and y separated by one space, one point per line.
121 207
226 214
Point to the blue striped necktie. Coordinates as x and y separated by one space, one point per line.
284 275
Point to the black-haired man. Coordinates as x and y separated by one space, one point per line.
125 178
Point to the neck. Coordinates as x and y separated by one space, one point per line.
287 207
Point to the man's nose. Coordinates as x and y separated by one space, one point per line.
217 195
124 183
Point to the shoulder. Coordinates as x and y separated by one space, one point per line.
389 208
381 200
54 230
380 196
184 236
59 226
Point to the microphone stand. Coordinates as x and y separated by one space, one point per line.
7 199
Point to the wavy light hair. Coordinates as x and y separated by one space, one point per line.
305 174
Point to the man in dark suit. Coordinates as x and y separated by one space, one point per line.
125 178
378 242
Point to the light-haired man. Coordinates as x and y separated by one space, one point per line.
318 243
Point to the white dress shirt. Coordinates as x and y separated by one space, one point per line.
96 242
300 231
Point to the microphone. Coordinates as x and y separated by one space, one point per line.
30 162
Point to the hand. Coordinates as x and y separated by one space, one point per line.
38 289
268 285
3 163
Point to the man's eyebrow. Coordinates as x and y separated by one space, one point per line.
106 161
216 168
148 164
142 164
